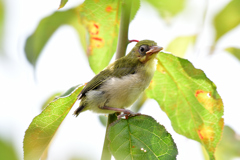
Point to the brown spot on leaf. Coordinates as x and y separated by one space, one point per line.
208 101
206 133
133 146
94 33
200 135
93 28
95 25
221 123
108 8
96 42
198 92
97 38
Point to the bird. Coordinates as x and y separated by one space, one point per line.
120 84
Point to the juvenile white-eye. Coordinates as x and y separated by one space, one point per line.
120 84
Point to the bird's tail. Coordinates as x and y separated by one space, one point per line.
82 105
78 110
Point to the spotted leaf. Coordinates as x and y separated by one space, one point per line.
189 99
101 20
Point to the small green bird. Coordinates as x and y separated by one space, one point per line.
120 84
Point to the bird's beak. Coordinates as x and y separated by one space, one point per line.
154 49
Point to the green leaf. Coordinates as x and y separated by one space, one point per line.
180 45
140 138
135 8
62 4
103 120
167 8
189 99
7 150
227 19
234 51
50 99
2 13
47 26
229 147
97 24
101 19
43 127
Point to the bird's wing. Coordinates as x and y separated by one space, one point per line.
115 69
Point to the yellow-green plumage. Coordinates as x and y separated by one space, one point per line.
120 83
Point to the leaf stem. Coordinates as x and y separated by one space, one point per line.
106 155
121 49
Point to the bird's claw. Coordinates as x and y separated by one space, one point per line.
127 114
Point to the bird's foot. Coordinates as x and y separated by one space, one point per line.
127 114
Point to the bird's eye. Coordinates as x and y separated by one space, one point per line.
143 49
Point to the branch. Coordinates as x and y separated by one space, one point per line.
123 31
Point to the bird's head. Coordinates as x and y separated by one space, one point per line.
145 50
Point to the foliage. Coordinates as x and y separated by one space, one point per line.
96 23
234 51
44 126
7 150
183 92
50 99
47 26
62 4
230 15
140 137
180 45
167 9
2 14
229 146
197 108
